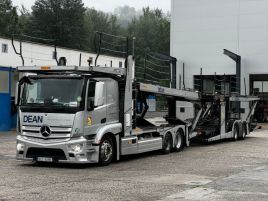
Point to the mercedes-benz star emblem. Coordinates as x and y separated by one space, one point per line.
45 131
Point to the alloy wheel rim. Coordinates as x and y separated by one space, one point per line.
106 150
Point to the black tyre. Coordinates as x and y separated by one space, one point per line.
106 152
167 144
235 132
244 132
179 141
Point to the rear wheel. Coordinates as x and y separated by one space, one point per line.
167 144
179 141
244 132
106 152
235 132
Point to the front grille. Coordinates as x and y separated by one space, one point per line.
57 133
57 154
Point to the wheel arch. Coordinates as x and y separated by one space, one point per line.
111 128
113 131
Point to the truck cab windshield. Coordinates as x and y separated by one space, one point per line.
53 93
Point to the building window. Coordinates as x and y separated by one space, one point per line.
182 110
4 48
260 86
120 64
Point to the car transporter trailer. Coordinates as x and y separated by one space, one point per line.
88 114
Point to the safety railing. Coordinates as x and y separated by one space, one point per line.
21 38
113 45
154 70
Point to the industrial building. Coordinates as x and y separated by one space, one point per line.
34 54
202 29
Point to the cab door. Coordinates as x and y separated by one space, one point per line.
96 106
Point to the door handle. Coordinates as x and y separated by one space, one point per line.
103 120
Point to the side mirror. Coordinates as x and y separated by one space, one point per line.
19 90
99 94
13 106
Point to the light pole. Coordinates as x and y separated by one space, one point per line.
133 56
133 46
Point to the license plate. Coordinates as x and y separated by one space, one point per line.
44 159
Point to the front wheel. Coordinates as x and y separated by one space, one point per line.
167 144
179 141
106 152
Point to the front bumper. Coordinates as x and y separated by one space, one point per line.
59 152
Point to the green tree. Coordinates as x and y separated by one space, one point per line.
23 20
102 22
125 15
59 19
8 18
152 32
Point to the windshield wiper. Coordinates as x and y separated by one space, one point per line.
32 104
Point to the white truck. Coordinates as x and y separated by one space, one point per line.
76 114
85 115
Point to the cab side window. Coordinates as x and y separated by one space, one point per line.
91 89
91 95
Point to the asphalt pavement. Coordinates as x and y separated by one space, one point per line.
220 171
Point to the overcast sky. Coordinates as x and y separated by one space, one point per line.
110 5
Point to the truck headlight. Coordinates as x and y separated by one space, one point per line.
20 147
76 148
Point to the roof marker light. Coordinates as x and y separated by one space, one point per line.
45 67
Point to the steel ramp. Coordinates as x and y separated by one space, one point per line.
182 95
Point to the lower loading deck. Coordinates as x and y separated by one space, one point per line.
142 140
140 131
148 137
151 125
